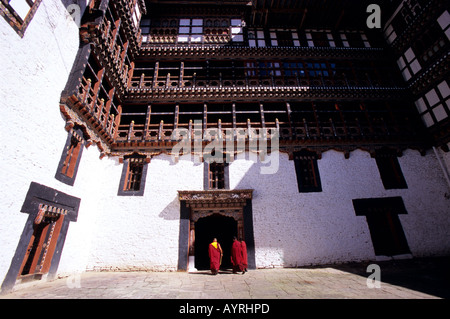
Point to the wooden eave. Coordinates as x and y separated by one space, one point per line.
261 93
162 53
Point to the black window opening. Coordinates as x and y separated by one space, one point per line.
386 231
390 171
134 173
306 168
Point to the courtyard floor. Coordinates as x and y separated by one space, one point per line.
427 278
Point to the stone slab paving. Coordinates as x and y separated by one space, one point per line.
424 279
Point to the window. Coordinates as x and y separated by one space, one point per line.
390 171
134 176
256 38
216 175
137 15
293 69
284 38
70 159
145 26
430 44
132 182
190 31
444 23
38 252
318 69
19 13
307 171
390 34
408 64
320 39
434 106
236 30
269 69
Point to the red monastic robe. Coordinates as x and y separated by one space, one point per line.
236 256
214 257
244 254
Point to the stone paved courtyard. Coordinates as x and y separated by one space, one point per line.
410 279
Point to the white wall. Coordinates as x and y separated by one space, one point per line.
293 228
117 232
290 228
34 71
141 232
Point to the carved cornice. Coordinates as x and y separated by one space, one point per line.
213 94
227 52
288 146
217 198
73 118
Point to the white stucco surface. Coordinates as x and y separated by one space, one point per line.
142 232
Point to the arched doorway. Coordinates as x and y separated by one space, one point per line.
205 215
206 229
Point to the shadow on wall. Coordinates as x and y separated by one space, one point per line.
171 211
290 229
271 217
294 229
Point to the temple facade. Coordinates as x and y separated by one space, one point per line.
134 132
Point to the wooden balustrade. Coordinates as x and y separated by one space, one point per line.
305 130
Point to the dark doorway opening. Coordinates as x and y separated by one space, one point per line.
206 229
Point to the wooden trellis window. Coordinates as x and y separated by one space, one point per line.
134 174
70 159
19 13
308 177
216 175
132 182
73 150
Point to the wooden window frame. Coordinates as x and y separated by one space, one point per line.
134 176
305 160
210 181
14 20
71 156
42 199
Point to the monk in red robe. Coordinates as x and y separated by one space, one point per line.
236 256
244 255
215 256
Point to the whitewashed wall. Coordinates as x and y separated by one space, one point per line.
142 232
290 228
293 229
117 232
34 70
